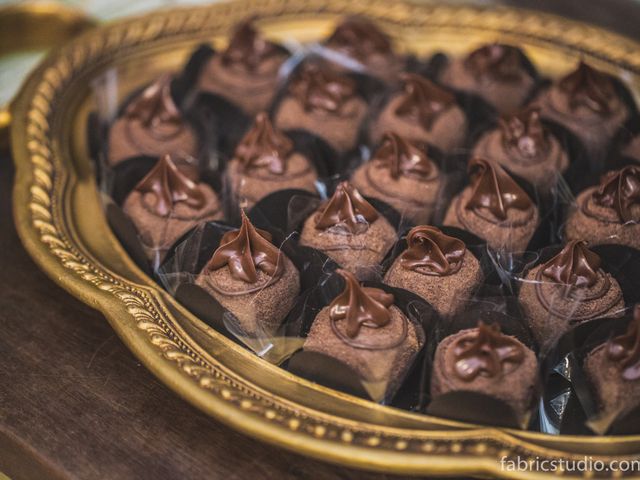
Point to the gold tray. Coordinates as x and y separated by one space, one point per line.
59 216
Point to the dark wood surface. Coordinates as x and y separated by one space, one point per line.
75 403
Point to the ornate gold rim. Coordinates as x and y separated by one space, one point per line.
50 182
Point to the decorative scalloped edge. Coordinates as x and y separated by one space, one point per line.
48 183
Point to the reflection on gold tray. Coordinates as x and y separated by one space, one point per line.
59 216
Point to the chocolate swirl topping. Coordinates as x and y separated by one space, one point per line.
347 209
524 134
423 101
499 62
431 252
155 106
486 353
620 190
495 190
624 350
577 282
322 90
244 252
361 307
589 88
402 157
169 186
575 265
359 38
248 48
264 147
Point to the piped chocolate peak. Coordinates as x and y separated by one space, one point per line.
575 265
524 134
322 90
248 48
620 190
485 352
360 306
169 186
245 252
624 350
431 252
347 209
155 106
496 61
422 101
402 157
359 38
589 88
264 147
495 190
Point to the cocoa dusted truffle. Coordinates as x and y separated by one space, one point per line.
365 330
368 47
153 125
349 230
252 279
484 360
569 289
497 73
495 208
437 267
424 112
247 72
402 174
325 103
613 369
587 103
609 212
264 162
525 147
166 204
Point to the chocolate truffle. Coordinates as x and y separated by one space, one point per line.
525 147
609 212
166 204
325 103
365 330
252 279
613 369
401 174
247 72
569 289
437 267
264 162
361 45
484 360
349 230
495 208
423 112
153 125
497 73
587 103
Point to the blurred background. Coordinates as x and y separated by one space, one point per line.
29 28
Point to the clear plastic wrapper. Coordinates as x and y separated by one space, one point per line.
586 390
485 368
372 365
500 76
